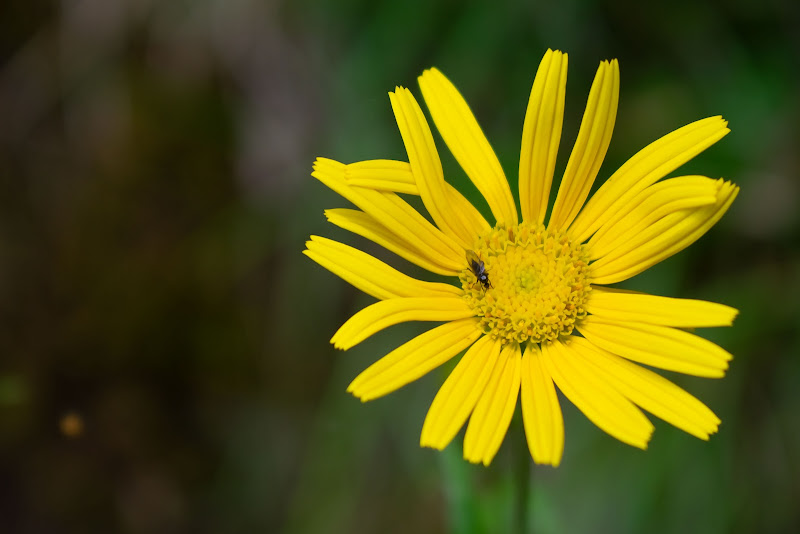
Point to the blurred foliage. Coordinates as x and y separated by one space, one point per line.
164 364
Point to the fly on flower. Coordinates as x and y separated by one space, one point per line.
477 267
551 320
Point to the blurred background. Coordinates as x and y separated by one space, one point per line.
164 355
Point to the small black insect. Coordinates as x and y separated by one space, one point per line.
477 268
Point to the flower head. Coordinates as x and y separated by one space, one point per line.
529 301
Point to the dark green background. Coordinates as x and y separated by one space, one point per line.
154 201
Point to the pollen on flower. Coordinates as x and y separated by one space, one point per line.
539 283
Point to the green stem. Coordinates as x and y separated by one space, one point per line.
523 473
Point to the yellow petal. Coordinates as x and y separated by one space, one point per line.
645 168
414 359
465 212
386 313
382 175
597 399
459 394
489 422
360 223
396 215
460 208
651 244
590 147
541 412
466 141
622 306
371 275
541 134
427 168
652 392
651 205
657 346
396 176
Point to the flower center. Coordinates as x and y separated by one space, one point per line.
538 283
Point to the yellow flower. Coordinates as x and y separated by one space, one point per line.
530 306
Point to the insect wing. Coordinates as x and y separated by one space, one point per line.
474 261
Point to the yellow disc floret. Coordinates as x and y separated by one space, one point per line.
539 283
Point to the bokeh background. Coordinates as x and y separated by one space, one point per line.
164 356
